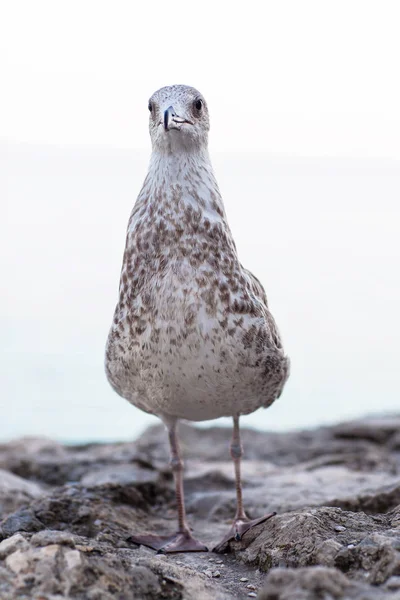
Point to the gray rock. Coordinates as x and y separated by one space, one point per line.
22 520
119 474
11 544
312 584
393 583
16 492
48 537
337 534
49 462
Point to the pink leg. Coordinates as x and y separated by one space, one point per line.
241 522
182 540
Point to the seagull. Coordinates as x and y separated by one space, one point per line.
192 336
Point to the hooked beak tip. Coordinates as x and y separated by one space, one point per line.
168 114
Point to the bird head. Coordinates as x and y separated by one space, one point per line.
178 119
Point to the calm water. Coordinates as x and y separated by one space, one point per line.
322 235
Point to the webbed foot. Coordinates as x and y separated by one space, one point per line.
238 529
164 544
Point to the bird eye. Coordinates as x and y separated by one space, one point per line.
150 107
198 104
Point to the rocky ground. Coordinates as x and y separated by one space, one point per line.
68 511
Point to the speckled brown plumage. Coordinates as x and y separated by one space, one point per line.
192 335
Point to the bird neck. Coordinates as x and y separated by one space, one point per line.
185 179
170 166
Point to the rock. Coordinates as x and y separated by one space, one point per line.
326 551
49 462
72 509
17 561
16 492
312 583
308 537
9 545
72 559
120 474
380 430
48 537
148 584
393 583
22 520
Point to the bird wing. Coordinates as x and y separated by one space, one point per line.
256 286
260 294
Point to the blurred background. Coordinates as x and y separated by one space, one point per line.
305 139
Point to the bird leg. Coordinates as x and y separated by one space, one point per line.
241 522
182 540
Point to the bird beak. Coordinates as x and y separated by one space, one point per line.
172 120
168 115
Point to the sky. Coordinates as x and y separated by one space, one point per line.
305 134
310 78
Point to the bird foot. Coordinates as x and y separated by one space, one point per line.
239 528
166 544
